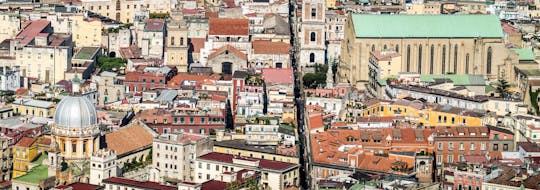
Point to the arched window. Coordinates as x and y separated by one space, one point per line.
312 36
419 59
443 58
455 58
431 56
181 41
488 64
385 47
373 47
312 57
408 58
397 48
467 64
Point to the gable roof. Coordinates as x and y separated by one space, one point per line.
230 49
130 138
26 142
426 26
228 26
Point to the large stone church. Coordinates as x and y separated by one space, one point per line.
428 44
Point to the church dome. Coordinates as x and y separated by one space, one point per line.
75 112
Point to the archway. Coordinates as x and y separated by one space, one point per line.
226 68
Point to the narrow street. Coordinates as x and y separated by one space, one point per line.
303 156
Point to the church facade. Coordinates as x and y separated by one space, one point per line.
434 44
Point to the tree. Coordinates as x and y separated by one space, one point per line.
109 63
312 80
502 88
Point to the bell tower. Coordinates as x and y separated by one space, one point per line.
312 33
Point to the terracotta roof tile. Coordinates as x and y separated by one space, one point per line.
228 158
197 44
278 75
269 47
129 138
140 184
32 30
26 142
228 26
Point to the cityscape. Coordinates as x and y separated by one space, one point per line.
269 95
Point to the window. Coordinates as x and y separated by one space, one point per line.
455 58
483 146
313 13
495 147
473 146
419 59
397 48
312 57
408 58
461 146
172 40
373 47
431 56
439 146
312 36
467 63
450 146
505 147
443 59
450 158
181 41
439 159
489 57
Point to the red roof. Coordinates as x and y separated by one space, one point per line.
278 75
508 29
80 186
315 121
26 142
198 44
269 47
266 164
213 184
154 25
228 48
139 184
228 26
32 30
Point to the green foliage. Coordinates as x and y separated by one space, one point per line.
108 63
117 29
502 88
10 99
312 80
159 15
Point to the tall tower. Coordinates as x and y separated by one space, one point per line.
176 45
102 166
312 33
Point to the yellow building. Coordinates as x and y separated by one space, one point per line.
421 113
86 32
229 147
429 44
176 46
331 4
127 11
24 152
38 108
385 63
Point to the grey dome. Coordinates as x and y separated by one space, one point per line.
75 112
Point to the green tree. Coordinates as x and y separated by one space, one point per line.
312 80
108 63
502 88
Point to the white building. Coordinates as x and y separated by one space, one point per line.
274 174
330 105
262 134
103 165
312 33
174 154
